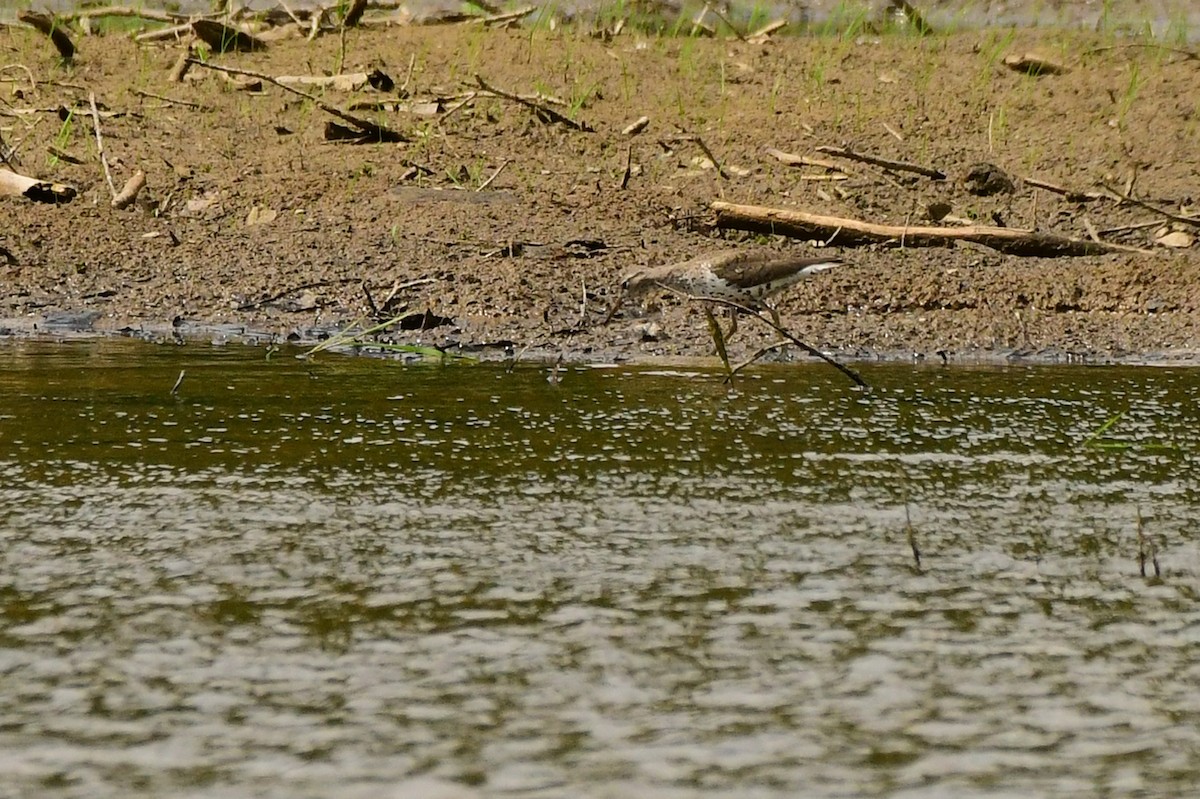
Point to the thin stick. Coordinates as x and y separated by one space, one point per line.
886 163
28 74
692 137
494 175
761 352
503 18
366 126
100 144
910 533
1070 194
791 159
171 100
847 371
412 63
1127 228
1189 55
1187 220
290 13
766 30
125 11
538 107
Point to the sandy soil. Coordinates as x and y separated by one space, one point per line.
252 221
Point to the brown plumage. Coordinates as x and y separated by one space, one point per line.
746 277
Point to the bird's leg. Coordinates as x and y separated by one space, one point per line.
616 306
733 315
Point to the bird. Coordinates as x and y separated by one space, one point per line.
747 277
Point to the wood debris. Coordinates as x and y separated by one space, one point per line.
856 233
41 191
52 27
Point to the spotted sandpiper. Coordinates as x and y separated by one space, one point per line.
746 277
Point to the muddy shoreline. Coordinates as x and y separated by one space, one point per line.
253 226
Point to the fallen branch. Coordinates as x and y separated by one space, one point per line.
13 184
48 25
170 100
125 11
791 159
538 108
173 32
854 232
886 163
499 19
766 30
346 82
496 174
369 128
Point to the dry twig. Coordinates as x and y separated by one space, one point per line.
1126 197
100 144
699 142
1071 194
886 163
369 128
539 108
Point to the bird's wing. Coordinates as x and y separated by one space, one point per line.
755 269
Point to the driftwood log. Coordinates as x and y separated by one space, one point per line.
51 27
855 232
15 185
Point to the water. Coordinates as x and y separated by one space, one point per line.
353 578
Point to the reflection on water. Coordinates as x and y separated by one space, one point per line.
326 579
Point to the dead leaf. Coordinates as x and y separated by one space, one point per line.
1031 64
260 215
1174 238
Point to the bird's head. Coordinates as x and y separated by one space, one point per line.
635 283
